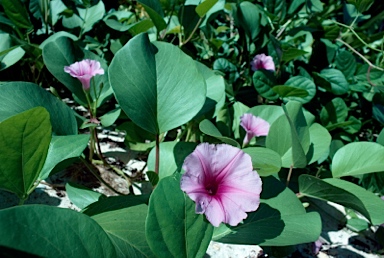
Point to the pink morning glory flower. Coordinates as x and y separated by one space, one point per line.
253 126
221 181
262 62
84 71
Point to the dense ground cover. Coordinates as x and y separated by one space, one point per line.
246 112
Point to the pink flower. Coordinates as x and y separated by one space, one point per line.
84 71
221 181
254 126
262 62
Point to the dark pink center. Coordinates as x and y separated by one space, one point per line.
211 188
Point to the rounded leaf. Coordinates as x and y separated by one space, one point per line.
303 83
154 82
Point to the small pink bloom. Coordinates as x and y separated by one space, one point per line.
84 71
221 181
316 246
254 126
262 62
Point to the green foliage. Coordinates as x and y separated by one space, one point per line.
48 231
172 227
24 141
280 220
156 104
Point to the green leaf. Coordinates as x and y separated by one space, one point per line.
140 27
357 225
155 12
203 8
109 118
299 133
300 82
57 35
344 193
215 90
63 52
280 220
11 57
249 18
292 53
81 196
279 139
264 80
136 138
146 92
38 8
120 20
172 155
358 158
86 18
62 148
289 91
123 219
380 138
337 81
361 5
24 141
48 231
229 69
265 161
334 112
267 112
17 13
320 143
210 129
153 177
17 97
315 5
173 229
346 63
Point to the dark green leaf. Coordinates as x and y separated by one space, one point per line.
155 12
346 63
279 221
17 97
361 5
49 232
173 229
62 148
17 13
249 18
204 7
155 92
109 118
263 81
24 141
292 53
210 129
81 196
338 83
300 82
344 193
334 112
289 91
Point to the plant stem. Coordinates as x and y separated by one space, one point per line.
360 55
357 35
157 160
193 32
289 175
90 168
